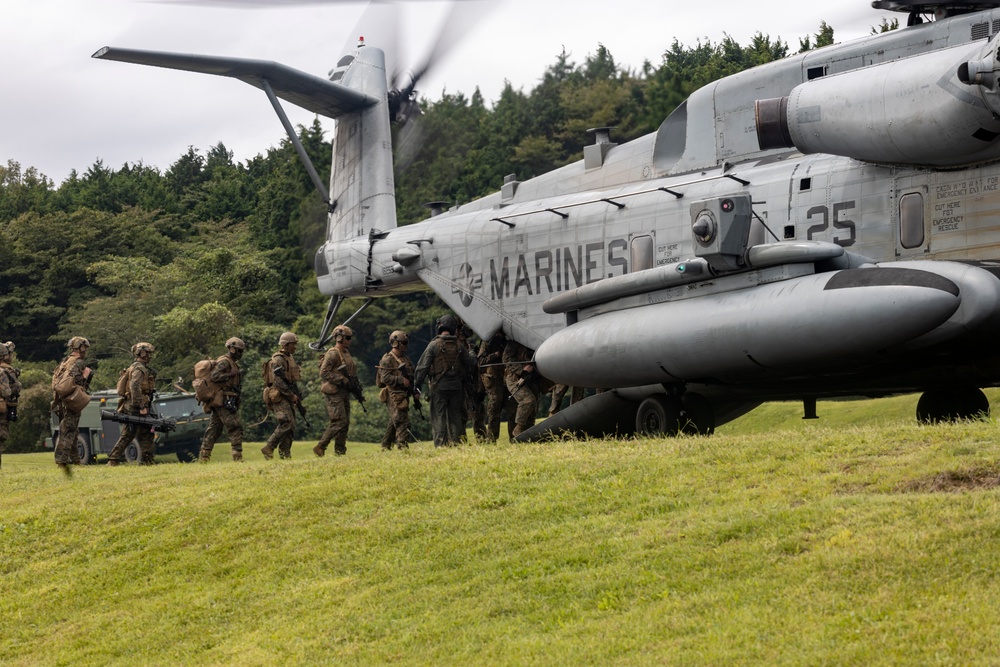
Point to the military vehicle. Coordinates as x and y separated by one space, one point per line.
98 436
820 226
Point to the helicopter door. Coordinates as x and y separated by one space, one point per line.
911 217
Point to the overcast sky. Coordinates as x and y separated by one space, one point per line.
62 110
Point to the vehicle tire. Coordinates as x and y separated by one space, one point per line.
83 447
132 452
697 416
658 415
187 455
949 405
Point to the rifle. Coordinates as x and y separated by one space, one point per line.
354 386
161 424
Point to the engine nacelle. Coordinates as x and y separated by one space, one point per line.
935 109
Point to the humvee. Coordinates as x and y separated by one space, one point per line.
99 436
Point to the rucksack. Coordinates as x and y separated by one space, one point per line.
62 382
122 386
208 393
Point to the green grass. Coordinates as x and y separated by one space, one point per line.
840 544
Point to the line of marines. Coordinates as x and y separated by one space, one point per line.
465 385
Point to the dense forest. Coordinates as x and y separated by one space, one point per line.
209 248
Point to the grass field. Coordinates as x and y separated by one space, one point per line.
825 542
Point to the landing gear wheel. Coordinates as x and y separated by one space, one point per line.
658 415
949 405
697 417
132 452
83 447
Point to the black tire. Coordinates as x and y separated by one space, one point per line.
187 454
83 447
697 416
132 452
658 415
950 405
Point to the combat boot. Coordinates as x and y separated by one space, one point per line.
204 456
238 455
319 451
267 451
113 462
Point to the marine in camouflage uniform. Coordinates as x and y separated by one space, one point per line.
10 390
395 375
282 396
228 376
74 365
475 410
444 364
140 385
522 382
491 372
336 370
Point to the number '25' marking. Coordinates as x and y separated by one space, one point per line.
824 214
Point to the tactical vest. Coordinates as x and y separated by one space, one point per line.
293 372
446 357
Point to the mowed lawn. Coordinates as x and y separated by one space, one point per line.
815 543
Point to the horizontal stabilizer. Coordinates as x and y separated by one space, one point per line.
305 90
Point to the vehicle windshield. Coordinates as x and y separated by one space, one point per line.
184 406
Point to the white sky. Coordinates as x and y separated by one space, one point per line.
62 110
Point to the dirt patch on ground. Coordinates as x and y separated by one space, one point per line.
953 481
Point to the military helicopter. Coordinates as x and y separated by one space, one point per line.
825 225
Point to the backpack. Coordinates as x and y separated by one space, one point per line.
208 393
122 386
62 382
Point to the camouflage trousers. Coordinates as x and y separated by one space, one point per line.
447 416
338 409
69 428
222 417
143 434
527 406
284 432
4 430
496 400
398 430
558 392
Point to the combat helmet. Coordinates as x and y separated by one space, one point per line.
286 338
139 348
76 342
398 338
6 349
447 323
237 343
341 332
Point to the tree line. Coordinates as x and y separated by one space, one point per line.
210 248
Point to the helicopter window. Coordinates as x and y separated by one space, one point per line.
337 76
911 220
641 252
789 232
322 268
345 61
805 184
815 72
